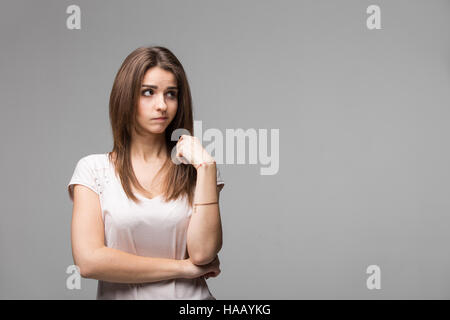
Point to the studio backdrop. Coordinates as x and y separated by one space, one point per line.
333 118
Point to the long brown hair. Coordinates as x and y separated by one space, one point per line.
179 179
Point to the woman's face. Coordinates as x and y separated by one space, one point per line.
158 98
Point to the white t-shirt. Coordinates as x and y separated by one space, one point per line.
154 229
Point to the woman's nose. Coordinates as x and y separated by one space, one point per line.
161 103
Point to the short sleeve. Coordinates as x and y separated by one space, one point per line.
219 177
83 174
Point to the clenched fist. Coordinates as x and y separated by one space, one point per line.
191 151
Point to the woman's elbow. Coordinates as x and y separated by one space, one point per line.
86 267
202 259
86 271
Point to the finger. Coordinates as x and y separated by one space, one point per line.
179 153
182 159
179 146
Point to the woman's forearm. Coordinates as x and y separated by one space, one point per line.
114 265
204 235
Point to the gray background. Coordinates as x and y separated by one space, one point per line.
364 138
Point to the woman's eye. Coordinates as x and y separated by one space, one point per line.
173 94
143 92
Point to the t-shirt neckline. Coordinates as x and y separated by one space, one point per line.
137 194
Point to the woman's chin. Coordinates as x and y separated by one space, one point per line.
157 129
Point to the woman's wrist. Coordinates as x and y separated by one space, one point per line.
206 165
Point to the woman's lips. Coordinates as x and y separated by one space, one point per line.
160 119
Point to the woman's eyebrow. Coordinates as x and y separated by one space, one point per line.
156 87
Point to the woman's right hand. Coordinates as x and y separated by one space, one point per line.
192 271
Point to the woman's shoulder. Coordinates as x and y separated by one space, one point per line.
95 161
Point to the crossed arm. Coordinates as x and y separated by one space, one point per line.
97 261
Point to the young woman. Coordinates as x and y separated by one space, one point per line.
144 225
